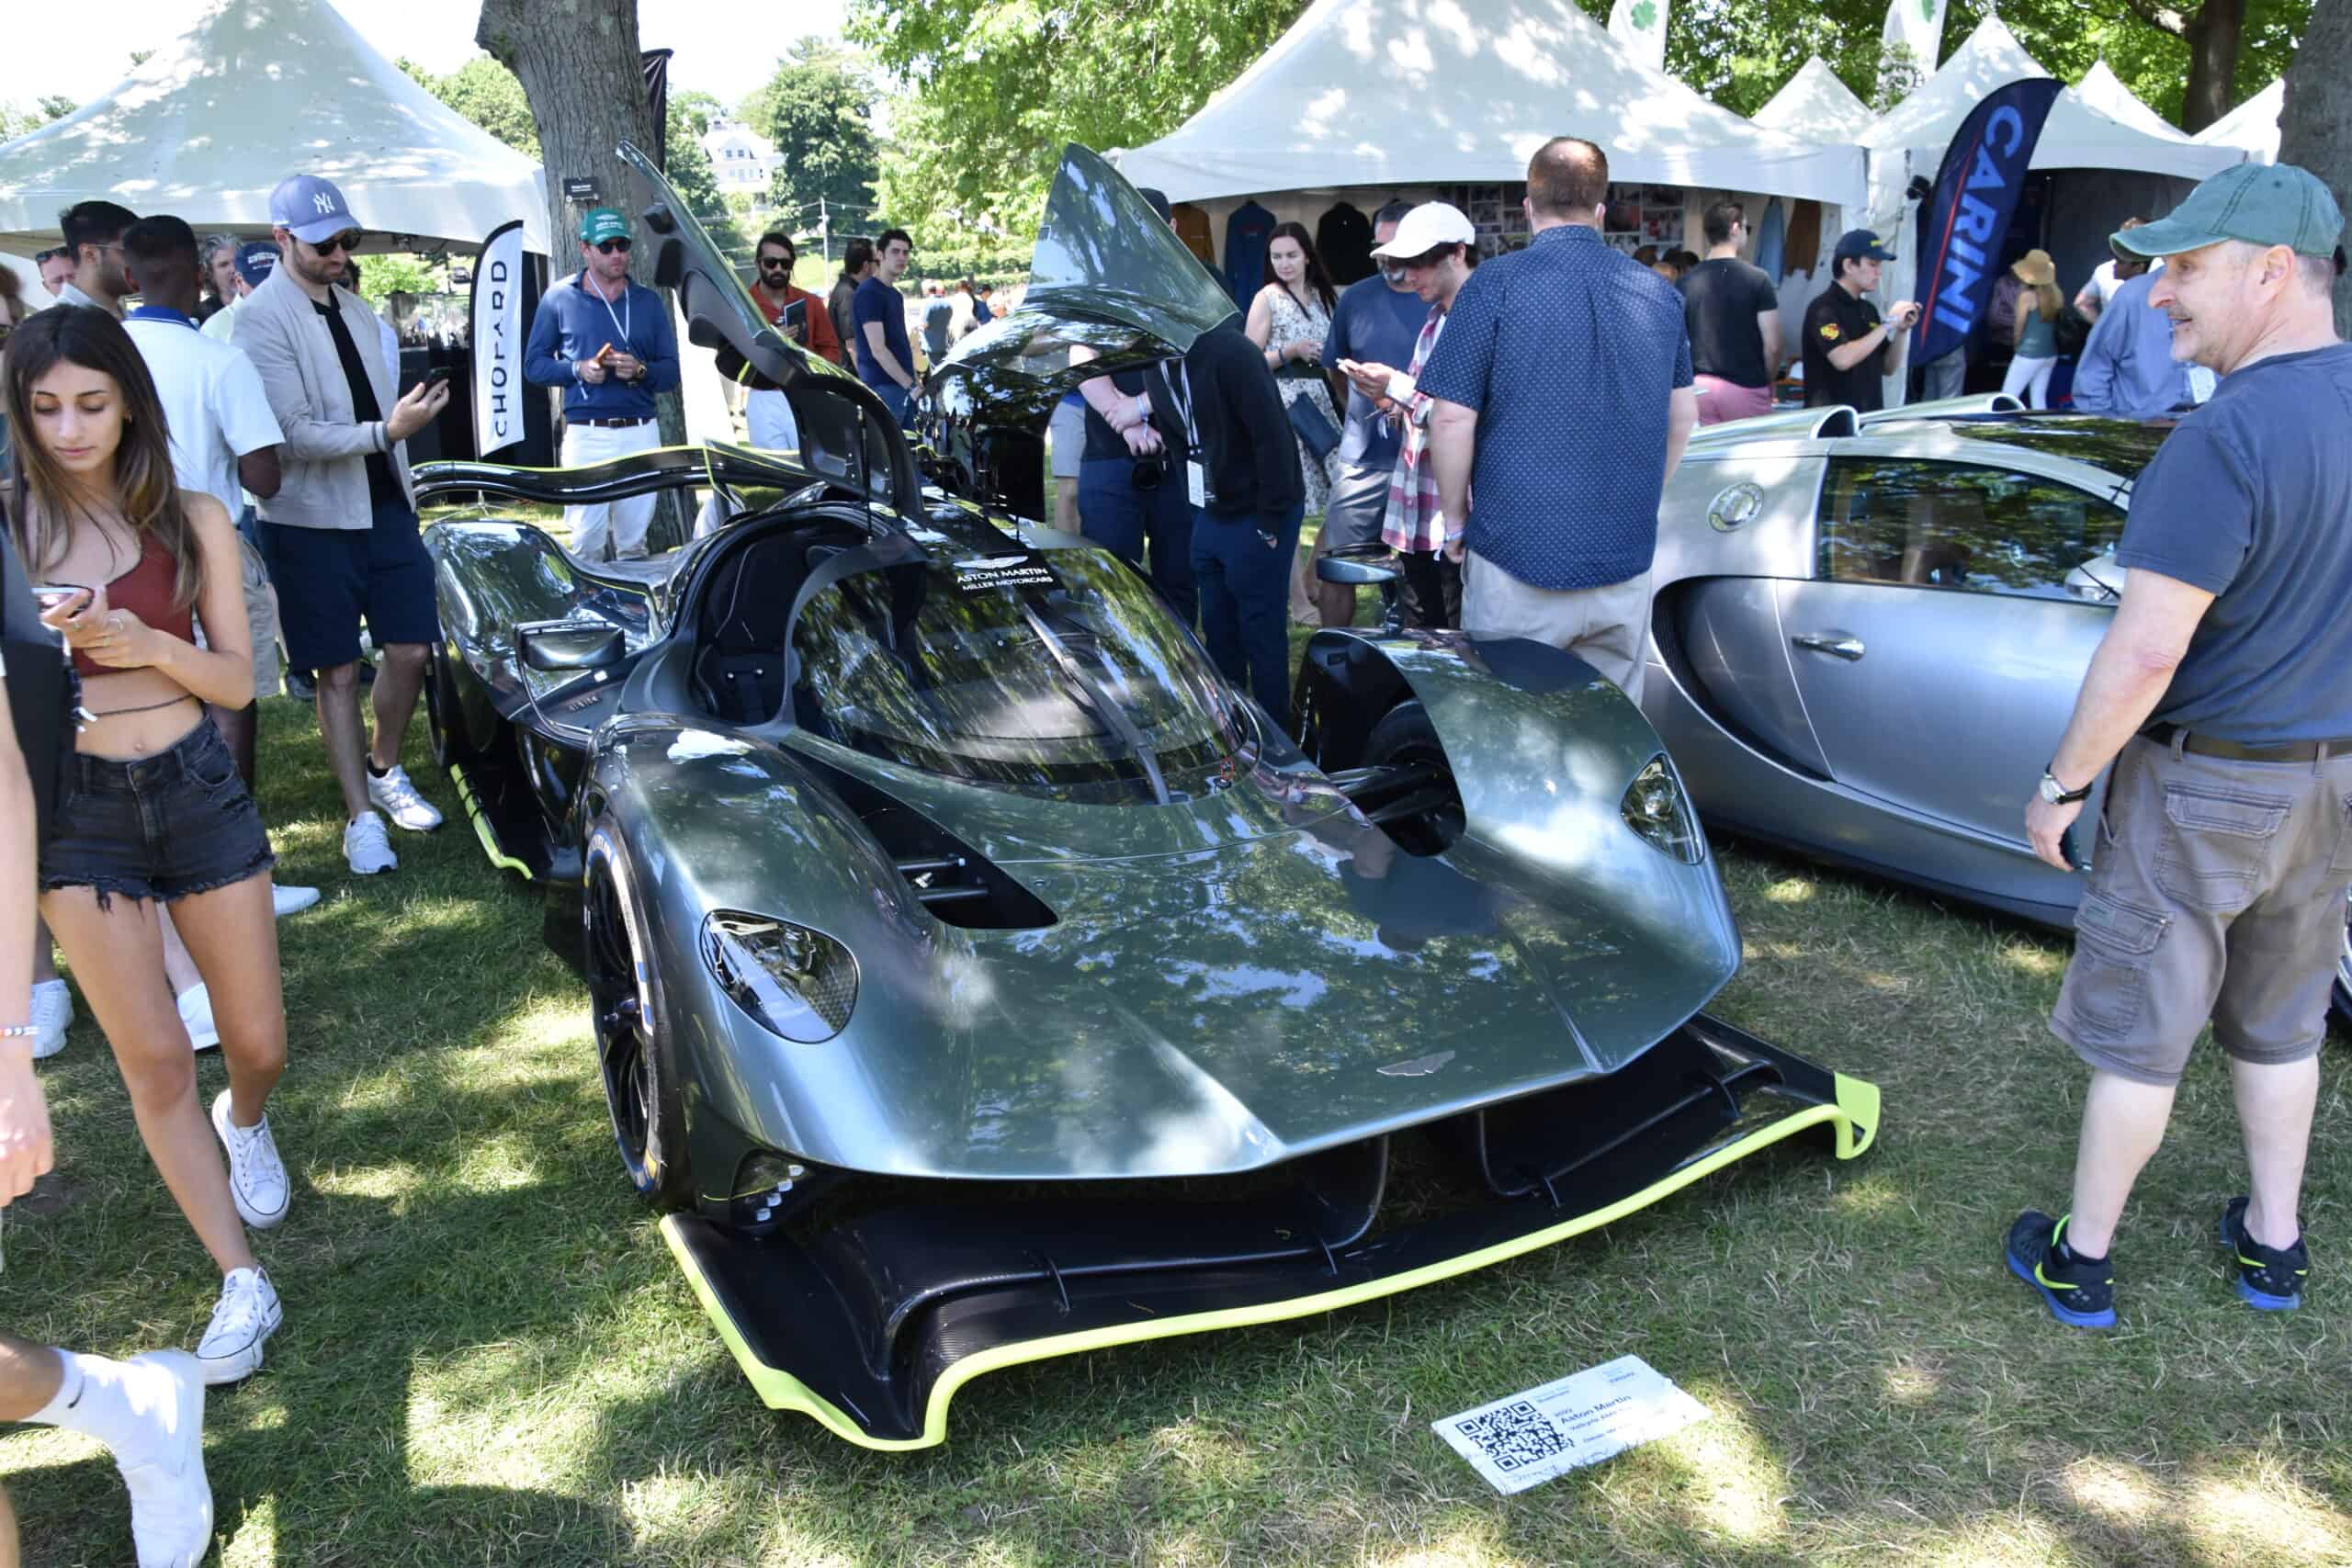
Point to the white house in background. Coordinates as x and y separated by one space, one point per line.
740 158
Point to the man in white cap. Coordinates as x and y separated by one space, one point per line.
340 536
1432 250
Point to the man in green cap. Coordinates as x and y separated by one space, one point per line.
2220 695
607 342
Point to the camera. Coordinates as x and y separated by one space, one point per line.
1149 472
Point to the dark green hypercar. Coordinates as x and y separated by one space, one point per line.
977 978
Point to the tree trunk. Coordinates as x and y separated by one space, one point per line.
2316 127
579 65
2212 35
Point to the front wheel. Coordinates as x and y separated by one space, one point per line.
1418 804
633 1043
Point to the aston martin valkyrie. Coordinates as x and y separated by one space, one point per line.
1869 633
976 977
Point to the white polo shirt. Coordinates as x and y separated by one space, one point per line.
212 400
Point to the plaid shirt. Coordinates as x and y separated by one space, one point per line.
1414 522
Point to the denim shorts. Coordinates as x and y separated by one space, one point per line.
159 826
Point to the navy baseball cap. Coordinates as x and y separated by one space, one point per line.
256 259
309 209
1857 245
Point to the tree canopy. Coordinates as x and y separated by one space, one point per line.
818 108
486 93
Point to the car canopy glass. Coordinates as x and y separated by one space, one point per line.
1108 273
1052 669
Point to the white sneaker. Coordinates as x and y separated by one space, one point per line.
367 846
247 1315
196 1012
257 1176
52 1015
400 801
171 1500
291 900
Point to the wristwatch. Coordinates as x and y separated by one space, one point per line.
2057 794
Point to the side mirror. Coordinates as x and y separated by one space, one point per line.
557 647
1357 566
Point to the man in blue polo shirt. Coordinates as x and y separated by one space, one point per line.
607 342
1564 399
886 362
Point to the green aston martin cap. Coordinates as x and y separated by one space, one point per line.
600 224
2262 204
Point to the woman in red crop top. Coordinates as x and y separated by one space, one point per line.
157 809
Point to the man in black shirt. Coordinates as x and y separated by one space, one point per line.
1249 501
1848 350
1733 312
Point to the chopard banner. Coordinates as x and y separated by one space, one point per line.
500 327
1963 224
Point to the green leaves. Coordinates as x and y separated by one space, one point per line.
818 110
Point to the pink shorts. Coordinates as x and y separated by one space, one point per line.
1720 399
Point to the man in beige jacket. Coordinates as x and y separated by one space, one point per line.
340 534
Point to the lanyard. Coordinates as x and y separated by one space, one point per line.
620 322
1180 393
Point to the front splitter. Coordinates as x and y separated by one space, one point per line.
755 1303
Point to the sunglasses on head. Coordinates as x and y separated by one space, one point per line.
609 246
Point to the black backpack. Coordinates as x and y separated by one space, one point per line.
44 693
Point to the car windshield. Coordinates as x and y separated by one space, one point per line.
1054 671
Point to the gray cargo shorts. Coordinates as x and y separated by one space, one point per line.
2217 890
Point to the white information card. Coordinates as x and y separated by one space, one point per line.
1527 1438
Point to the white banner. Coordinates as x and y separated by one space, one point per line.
499 331
1916 25
1640 26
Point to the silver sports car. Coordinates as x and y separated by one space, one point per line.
1869 632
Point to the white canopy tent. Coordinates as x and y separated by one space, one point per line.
2107 169
2253 125
2104 91
1386 93
1816 103
254 91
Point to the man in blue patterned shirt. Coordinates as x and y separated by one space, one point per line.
1564 399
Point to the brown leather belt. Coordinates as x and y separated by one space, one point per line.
2283 752
612 424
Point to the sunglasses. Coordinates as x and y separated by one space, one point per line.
775 264
609 246
346 242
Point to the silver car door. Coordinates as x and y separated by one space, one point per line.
1939 647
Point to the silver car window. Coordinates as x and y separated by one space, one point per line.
1987 530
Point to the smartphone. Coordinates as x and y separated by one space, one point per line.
436 376
50 595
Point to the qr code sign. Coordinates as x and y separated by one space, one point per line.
1514 1435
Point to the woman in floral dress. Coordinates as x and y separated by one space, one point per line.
1288 319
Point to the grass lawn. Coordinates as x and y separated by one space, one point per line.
487 1356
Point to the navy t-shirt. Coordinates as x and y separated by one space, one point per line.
2251 499
1377 324
1721 300
877 301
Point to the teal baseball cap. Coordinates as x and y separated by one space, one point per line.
600 224
2261 204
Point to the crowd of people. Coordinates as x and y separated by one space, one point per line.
222 467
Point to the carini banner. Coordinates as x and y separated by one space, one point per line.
1963 224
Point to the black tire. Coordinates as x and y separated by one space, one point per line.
1406 735
632 1032
443 717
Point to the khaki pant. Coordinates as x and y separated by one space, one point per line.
1607 628
2216 890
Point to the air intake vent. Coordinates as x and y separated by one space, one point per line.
955 882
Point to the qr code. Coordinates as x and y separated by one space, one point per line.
1516 1435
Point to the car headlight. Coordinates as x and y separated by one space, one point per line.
799 983
1656 808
